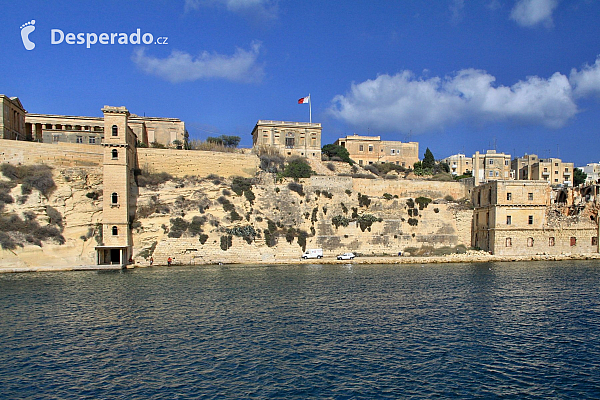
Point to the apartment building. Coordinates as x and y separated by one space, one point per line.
372 150
552 170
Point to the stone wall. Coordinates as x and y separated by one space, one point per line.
410 188
180 163
55 154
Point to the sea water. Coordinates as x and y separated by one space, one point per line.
486 330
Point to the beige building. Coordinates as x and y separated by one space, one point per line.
491 166
459 164
514 217
551 170
48 128
371 150
288 138
12 120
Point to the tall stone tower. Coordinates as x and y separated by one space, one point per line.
119 160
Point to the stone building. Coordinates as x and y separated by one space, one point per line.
12 119
459 164
120 191
49 128
552 170
288 138
517 217
491 166
371 150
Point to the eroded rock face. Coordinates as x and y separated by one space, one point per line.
286 219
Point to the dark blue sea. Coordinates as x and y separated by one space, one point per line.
452 331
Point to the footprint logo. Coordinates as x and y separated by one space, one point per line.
26 29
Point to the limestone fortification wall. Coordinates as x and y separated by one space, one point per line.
53 154
180 163
410 188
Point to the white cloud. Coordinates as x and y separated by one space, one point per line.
530 13
263 9
180 66
456 8
587 81
404 102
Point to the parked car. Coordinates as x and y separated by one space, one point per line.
346 256
313 253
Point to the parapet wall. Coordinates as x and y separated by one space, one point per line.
53 154
180 163
410 188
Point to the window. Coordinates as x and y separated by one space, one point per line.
115 154
392 151
360 162
505 162
115 231
491 173
551 241
370 148
508 196
531 220
289 142
92 140
566 169
556 180
556 164
530 242
573 241
508 220
508 242
114 198
79 139
361 147
491 162
55 138
497 173
530 196
595 241
115 130
545 169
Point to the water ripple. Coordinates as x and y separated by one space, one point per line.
514 330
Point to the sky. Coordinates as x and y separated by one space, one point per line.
457 76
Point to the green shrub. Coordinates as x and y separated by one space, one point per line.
203 238
366 220
30 177
297 168
226 242
413 221
423 202
340 220
363 200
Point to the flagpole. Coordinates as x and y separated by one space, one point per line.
309 109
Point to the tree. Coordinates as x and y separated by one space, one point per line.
230 141
216 140
333 150
297 168
186 140
578 177
428 160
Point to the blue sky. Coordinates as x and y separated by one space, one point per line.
521 76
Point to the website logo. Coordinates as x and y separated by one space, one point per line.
26 29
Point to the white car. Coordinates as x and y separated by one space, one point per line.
346 256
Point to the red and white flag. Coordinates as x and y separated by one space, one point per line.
304 100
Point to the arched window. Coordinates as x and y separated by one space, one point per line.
115 130
115 198
115 154
115 231
530 242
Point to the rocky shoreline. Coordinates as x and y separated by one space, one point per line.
469 257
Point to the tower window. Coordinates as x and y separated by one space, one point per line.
115 154
115 231
114 198
115 130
